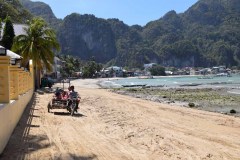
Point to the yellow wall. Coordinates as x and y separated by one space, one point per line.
9 116
16 90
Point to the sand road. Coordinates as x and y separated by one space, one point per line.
117 127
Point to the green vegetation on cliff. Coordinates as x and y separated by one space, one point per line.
207 34
43 10
87 36
15 10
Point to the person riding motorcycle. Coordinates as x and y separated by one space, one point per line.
74 95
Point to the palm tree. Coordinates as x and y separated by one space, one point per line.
38 44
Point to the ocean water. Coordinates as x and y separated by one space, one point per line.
177 81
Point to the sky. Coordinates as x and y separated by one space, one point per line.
130 12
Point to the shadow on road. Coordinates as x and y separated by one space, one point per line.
68 114
20 142
91 157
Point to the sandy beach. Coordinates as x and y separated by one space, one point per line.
111 126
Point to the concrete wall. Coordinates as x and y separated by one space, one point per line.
10 114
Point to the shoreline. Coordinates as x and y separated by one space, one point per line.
221 100
171 82
212 98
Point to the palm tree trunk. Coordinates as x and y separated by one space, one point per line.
36 77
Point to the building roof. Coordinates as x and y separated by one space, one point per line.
18 29
149 65
12 54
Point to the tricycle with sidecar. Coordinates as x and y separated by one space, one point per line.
62 101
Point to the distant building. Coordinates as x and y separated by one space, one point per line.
148 66
205 71
116 71
219 69
58 63
182 72
169 73
113 71
56 67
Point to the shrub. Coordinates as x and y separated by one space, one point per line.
191 105
232 111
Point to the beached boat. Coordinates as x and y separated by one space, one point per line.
190 84
134 85
145 77
205 77
223 75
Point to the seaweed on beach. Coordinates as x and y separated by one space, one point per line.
216 100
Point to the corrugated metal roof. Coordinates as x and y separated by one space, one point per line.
12 54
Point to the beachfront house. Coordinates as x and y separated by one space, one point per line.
113 71
116 71
56 67
104 73
148 66
205 71
168 73
219 69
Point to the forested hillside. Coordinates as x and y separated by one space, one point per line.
207 34
15 10
43 10
87 36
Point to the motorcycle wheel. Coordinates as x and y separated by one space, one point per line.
73 107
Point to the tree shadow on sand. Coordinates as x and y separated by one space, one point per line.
68 114
21 144
90 157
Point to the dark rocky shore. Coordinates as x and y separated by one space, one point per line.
209 99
